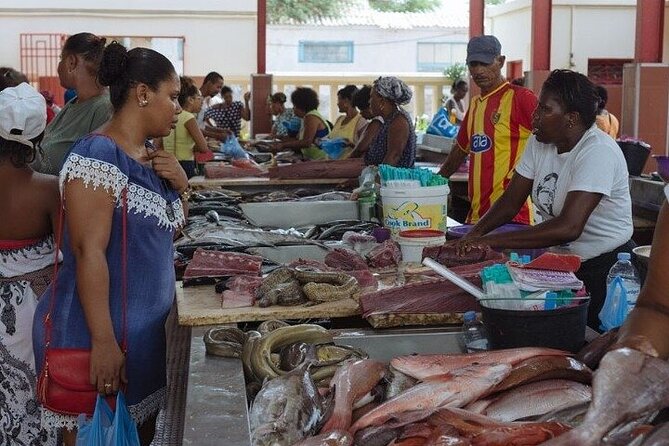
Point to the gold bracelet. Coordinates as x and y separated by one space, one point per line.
185 195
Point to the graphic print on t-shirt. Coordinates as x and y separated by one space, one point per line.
545 193
481 143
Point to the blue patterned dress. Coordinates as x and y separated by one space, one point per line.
379 146
154 213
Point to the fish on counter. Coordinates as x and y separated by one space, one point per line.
539 368
424 366
484 431
537 398
332 438
288 286
286 410
595 350
351 382
456 389
627 385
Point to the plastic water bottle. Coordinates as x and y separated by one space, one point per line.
630 278
474 334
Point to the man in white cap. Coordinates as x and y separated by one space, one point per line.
494 130
29 203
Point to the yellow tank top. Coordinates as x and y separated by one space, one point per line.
179 142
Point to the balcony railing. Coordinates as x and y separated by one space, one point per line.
429 88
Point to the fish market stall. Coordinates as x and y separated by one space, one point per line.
265 184
216 403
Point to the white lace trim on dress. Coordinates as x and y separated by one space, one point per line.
98 173
140 412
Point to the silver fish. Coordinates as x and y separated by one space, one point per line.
286 410
627 385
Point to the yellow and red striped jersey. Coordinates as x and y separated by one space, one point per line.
494 133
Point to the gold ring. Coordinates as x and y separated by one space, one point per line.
107 386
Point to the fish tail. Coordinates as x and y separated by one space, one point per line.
339 420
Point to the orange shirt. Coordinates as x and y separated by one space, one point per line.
494 133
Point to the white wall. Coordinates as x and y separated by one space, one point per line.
374 50
586 29
219 35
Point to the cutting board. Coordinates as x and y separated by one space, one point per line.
201 305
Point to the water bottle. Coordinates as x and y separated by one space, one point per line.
630 278
474 334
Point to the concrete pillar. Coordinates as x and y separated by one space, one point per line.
646 106
261 88
262 36
540 45
645 94
541 34
649 31
476 14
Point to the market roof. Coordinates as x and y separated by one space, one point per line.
450 14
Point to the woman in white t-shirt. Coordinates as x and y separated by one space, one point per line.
578 181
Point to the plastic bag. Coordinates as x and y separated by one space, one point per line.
231 147
614 310
334 148
107 428
441 125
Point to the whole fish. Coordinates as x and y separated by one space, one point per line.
333 438
453 389
397 382
627 385
484 431
541 368
592 353
537 398
350 383
424 366
286 410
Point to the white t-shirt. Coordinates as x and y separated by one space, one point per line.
596 164
207 103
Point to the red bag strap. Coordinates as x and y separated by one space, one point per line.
124 272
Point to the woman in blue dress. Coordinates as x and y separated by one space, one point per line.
99 172
395 143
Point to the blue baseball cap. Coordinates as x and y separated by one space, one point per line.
483 49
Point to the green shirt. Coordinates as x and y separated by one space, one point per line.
75 120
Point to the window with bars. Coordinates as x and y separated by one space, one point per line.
435 56
325 52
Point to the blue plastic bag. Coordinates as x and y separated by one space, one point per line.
233 149
107 428
614 310
441 125
334 148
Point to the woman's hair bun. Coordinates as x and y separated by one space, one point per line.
113 66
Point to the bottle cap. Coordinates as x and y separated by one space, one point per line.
551 301
469 316
624 256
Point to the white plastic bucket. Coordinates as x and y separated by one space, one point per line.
414 208
413 241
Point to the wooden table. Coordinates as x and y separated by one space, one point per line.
201 305
262 184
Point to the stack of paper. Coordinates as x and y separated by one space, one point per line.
539 279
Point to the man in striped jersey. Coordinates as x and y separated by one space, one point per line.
494 130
